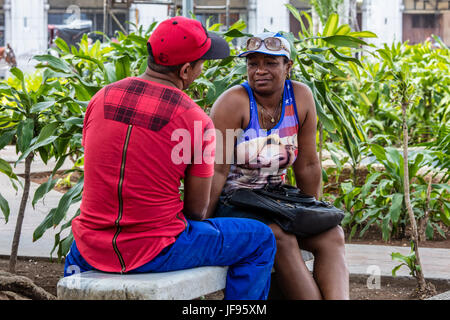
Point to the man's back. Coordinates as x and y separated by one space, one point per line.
131 197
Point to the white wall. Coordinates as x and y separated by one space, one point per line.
26 28
384 18
146 14
269 14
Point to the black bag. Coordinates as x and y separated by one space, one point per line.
294 211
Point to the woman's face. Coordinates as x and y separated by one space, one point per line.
266 73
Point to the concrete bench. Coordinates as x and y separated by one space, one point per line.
176 285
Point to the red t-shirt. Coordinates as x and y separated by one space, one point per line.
139 138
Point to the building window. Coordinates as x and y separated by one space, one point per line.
427 21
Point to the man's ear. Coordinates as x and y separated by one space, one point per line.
183 73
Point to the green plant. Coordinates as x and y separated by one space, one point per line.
409 261
325 8
34 116
325 63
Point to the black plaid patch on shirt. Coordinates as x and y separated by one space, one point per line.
136 102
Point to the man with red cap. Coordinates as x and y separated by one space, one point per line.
142 136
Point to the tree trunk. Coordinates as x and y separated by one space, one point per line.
21 214
414 235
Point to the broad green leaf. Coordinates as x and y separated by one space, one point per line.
65 244
36 146
92 59
43 189
414 168
396 207
395 269
399 257
344 57
235 33
17 73
363 34
6 138
122 67
331 25
110 72
343 30
6 168
143 66
25 134
385 54
47 131
61 44
344 41
50 74
378 151
429 231
386 228
369 182
54 62
66 201
47 223
294 12
81 92
4 206
41 106
137 39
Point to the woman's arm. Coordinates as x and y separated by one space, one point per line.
226 113
307 168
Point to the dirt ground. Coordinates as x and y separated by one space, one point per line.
46 274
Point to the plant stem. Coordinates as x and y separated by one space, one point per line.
414 236
21 214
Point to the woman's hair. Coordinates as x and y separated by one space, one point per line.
161 68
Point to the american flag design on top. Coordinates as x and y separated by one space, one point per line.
262 156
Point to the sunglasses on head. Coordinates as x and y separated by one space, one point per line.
271 43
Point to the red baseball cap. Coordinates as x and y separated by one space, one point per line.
179 40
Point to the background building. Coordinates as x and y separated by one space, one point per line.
29 25
422 18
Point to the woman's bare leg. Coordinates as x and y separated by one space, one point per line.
330 268
294 278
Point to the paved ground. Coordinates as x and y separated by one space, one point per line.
362 259
33 217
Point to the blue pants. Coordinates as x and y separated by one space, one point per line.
246 246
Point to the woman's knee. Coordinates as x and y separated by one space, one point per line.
283 239
337 235
333 239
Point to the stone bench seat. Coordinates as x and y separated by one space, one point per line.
175 285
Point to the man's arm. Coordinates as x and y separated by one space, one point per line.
307 169
196 196
226 114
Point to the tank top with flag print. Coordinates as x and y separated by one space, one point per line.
261 156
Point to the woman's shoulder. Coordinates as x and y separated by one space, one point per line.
301 88
232 99
231 108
